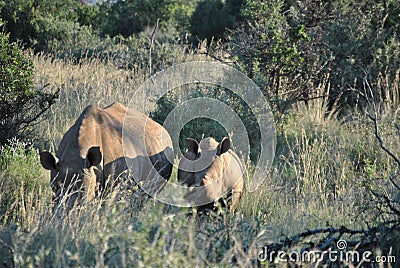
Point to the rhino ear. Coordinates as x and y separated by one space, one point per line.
224 146
47 160
192 145
93 157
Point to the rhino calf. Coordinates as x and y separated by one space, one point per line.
213 170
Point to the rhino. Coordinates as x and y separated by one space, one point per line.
213 170
100 146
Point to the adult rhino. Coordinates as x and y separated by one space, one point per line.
213 170
102 144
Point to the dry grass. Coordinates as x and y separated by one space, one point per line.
91 82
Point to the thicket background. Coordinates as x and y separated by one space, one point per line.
322 65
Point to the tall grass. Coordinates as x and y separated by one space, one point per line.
23 186
93 81
317 179
90 82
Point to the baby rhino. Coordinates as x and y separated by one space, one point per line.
213 170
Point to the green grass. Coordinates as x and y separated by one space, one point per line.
317 180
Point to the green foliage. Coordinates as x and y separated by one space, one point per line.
198 128
16 71
364 44
297 51
30 20
204 127
287 47
131 17
20 104
267 47
123 17
179 14
22 184
66 29
133 52
212 18
63 37
17 16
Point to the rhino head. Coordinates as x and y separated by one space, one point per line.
202 161
212 169
73 178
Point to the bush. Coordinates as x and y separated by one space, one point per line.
211 19
17 16
23 19
20 105
131 17
202 127
267 47
289 48
63 37
133 52
365 45
22 184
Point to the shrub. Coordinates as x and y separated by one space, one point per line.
211 19
63 37
288 48
22 184
363 41
24 19
133 52
20 105
17 16
267 47
131 17
202 127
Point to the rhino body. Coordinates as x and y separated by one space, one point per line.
102 144
213 170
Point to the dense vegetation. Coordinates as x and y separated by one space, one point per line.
330 71
20 105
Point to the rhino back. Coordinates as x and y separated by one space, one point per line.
119 133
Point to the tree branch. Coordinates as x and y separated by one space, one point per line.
379 138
